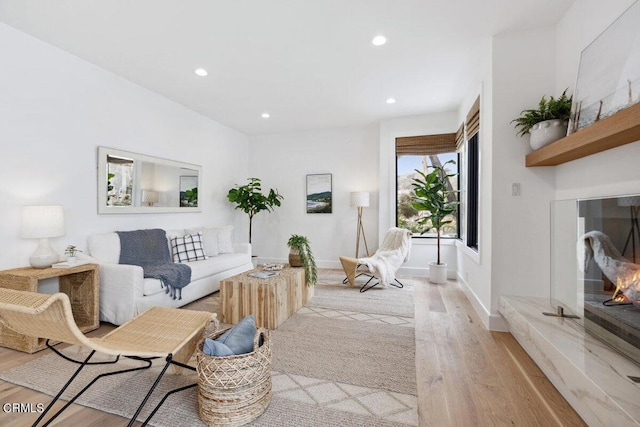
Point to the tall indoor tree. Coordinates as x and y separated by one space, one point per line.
250 199
438 204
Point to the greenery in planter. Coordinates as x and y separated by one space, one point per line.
431 195
72 250
301 245
548 109
250 200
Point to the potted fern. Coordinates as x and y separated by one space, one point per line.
300 255
548 122
431 195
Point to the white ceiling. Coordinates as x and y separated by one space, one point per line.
310 64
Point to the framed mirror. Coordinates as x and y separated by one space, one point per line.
137 183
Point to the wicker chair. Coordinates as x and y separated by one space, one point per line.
159 332
382 266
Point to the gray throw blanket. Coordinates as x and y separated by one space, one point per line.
149 250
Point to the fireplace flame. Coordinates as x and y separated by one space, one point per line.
628 288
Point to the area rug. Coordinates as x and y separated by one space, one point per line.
332 293
331 367
359 353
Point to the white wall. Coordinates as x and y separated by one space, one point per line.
514 230
611 172
523 71
282 161
423 251
513 234
57 109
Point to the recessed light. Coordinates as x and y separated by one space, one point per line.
265 115
201 72
379 40
391 101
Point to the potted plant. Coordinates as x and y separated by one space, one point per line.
71 252
548 122
431 195
300 255
250 200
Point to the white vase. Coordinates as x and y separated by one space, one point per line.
438 273
72 259
546 132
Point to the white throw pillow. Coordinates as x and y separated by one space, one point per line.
225 239
188 248
209 239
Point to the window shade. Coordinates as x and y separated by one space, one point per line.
473 119
460 138
426 145
119 160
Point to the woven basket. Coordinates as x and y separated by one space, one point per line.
234 390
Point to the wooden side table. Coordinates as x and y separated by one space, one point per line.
80 283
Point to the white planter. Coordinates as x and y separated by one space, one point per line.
546 132
72 259
438 273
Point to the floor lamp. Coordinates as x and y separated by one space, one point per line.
360 199
632 202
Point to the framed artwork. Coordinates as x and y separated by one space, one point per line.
609 72
319 196
188 191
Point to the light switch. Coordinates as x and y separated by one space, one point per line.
515 189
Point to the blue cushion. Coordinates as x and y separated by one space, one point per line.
240 338
216 348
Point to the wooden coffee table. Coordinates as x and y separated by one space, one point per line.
271 301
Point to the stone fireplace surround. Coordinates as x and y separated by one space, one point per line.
592 377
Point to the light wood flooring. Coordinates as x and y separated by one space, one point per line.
466 375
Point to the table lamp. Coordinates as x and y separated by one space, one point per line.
150 197
360 199
42 222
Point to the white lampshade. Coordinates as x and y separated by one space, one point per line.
629 201
42 221
150 196
360 199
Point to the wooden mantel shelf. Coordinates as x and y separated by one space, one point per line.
618 129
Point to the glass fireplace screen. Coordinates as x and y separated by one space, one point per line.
595 271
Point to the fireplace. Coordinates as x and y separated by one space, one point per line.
595 271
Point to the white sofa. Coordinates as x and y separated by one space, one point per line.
124 292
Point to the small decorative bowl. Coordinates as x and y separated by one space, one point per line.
272 267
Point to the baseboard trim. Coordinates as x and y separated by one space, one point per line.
493 322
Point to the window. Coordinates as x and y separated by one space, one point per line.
473 167
472 128
420 152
